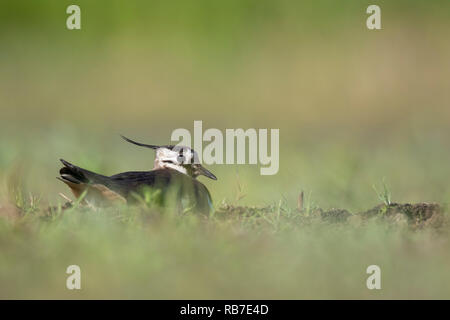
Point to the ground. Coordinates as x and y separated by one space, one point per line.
238 252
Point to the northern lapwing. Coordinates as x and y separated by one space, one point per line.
174 175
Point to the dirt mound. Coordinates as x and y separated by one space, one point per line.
416 215
334 215
229 210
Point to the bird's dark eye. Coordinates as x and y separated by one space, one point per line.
180 157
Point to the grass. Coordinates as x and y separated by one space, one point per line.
385 194
271 252
129 253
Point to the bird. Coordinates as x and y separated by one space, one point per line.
173 178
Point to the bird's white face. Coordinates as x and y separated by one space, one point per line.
167 158
182 159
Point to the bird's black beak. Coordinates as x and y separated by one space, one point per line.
204 172
151 146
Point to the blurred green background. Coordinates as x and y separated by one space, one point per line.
353 105
374 102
